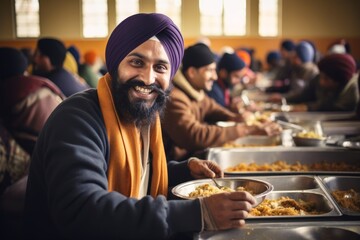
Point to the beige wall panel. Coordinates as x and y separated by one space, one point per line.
321 18
60 19
7 20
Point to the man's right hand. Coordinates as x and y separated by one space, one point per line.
228 210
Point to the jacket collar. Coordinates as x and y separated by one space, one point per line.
181 82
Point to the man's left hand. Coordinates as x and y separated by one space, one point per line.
204 168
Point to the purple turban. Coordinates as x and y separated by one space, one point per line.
339 67
137 29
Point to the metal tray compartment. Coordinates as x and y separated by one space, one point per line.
321 201
292 183
312 116
333 183
334 230
304 155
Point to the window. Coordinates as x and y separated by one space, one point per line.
171 8
126 8
223 17
268 18
95 18
27 18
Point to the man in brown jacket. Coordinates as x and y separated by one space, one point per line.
188 127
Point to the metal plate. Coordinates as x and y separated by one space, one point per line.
259 188
333 183
321 201
334 230
304 155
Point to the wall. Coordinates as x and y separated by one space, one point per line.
322 21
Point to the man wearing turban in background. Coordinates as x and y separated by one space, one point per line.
231 70
99 169
190 115
334 89
303 71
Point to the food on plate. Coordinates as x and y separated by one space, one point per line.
309 134
349 199
284 206
206 190
296 167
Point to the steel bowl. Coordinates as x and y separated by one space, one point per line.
259 188
308 142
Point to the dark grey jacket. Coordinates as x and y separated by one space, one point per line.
67 196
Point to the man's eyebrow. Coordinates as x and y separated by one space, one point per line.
139 55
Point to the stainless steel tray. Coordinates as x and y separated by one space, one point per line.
313 116
333 183
341 127
293 182
322 204
334 230
305 155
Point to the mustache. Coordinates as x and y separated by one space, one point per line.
138 83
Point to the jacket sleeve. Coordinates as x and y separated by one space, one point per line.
187 126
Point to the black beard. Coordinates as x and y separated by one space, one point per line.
137 111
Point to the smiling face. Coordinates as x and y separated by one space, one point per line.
202 78
143 83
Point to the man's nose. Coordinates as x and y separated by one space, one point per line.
149 76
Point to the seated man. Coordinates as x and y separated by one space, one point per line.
230 72
335 89
26 101
99 169
14 163
190 113
49 59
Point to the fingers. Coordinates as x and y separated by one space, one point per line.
215 168
242 196
228 210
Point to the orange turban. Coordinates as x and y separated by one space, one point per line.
90 57
245 56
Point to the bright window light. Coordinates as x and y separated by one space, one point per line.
126 8
95 18
27 18
222 17
171 8
268 18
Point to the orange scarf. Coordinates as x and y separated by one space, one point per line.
124 171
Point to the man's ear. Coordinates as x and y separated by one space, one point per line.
191 71
222 73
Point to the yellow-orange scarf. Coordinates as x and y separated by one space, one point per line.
124 171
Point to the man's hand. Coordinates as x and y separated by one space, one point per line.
227 210
204 168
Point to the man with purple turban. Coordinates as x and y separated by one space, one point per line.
99 169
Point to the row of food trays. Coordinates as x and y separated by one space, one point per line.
311 187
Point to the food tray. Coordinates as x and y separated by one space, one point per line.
333 183
304 155
320 199
293 183
305 187
334 230
312 116
341 127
